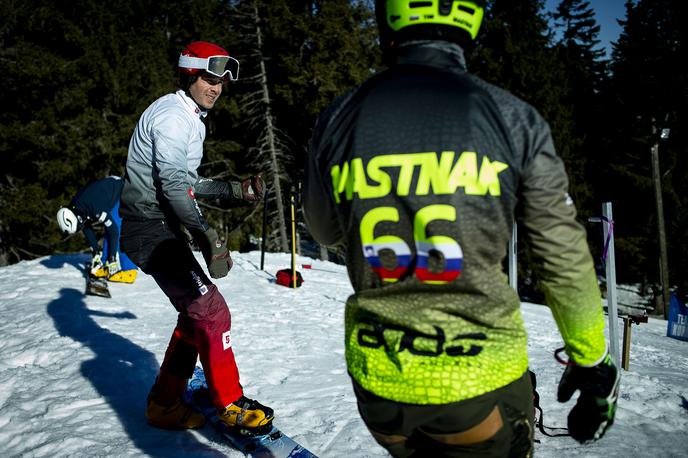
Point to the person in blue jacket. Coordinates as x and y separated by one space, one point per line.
98 205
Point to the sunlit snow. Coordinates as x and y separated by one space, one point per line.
75 369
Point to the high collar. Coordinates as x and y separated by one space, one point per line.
435 53
191 105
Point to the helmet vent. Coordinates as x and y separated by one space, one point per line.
462 14
445 7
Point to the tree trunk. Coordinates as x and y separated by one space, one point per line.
270 137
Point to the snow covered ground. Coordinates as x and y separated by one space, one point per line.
75 370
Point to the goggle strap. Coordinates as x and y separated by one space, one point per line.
193 62
202 63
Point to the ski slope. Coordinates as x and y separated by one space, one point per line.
75 370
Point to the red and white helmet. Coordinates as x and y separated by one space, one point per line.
211 58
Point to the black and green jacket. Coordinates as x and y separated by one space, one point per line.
420 173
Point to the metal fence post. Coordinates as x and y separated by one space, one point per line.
513 261
610 263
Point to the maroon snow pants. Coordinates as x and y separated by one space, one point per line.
204 321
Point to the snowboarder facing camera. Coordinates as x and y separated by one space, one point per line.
97 205
159 208
419 174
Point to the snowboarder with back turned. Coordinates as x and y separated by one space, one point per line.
419 173
97 205
159 208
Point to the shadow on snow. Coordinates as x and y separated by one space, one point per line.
122 372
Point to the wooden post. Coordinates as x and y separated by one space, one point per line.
661 230
629 320
626 352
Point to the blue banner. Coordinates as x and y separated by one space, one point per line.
677 326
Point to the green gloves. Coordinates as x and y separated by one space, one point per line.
594 411
215 253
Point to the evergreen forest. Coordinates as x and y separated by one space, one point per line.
76 75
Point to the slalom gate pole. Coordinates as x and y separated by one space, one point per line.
265 229
608 258
292 204
608 228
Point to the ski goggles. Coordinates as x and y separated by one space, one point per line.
219 66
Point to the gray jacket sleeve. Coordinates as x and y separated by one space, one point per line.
207 188
170 164
558 241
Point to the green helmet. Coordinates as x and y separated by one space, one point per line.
430 19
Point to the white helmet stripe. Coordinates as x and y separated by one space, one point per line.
193 62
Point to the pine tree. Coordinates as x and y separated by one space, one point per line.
514 51
649 92
269 151
76 76
308 53
586 74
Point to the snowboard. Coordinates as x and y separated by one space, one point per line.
274 444
97 287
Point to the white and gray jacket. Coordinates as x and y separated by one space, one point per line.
165 151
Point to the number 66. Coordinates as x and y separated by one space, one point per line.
424 244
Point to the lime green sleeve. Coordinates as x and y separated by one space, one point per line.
566 271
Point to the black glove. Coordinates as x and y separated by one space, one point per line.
252 188
215 253
594 412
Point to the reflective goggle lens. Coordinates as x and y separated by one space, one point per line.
223 65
